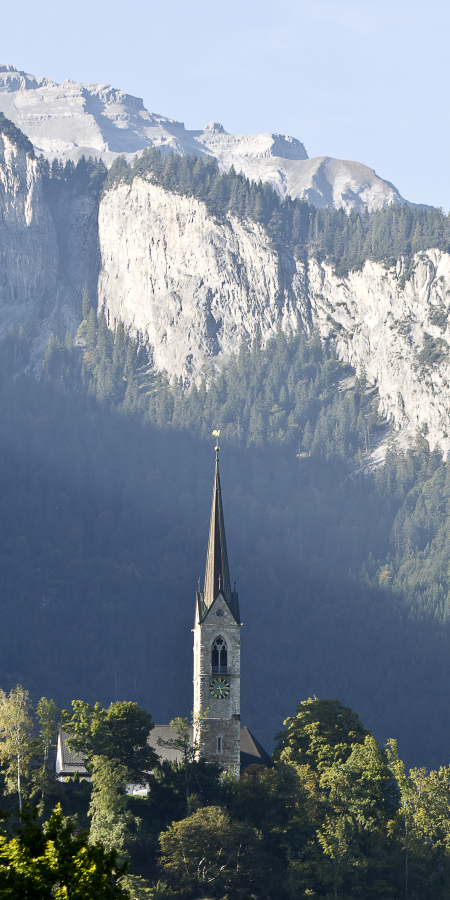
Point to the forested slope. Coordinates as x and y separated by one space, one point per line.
106 475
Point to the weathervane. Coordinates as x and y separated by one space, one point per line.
216 434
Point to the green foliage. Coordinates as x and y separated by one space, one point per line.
277 802
323 732
285 393
140 889
17 739
111 819
433 352
56 862
288 392
84 177
187 741
47 714
358 803
104 521
209 855
118 733
345 240
27 751
336 829
336 816
423 827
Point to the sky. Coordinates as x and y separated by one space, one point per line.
352 79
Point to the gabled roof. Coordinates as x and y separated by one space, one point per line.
165 733
217 575
252 754
67 763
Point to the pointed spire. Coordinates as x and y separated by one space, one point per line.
217 576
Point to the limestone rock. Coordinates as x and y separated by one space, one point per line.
398 331
48 251
191 286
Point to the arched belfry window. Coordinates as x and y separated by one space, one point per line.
219 656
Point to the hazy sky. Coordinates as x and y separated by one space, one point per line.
353 79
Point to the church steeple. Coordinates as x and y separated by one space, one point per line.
217 649
217 575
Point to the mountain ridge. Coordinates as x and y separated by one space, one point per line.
99 120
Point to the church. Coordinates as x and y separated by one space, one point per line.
217 669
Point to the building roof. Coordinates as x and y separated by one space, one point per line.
165 733
67 763
217 575
252 754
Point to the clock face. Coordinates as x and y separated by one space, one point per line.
219 688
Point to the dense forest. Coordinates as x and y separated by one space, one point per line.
335 816
106 476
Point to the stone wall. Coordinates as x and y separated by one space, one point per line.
224 715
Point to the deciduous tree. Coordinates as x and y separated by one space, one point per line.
210 855
57 863
322 733
111 820
47 714
119 732
17 738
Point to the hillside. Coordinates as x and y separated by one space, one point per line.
158 302
342 573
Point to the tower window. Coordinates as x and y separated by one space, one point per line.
219 656
219 744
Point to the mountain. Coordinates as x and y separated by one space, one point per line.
192 285
69 120
296 330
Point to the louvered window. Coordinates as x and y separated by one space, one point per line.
219 657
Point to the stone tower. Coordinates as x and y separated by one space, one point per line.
217 648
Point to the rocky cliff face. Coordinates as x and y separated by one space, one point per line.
74 213
28 258
48 250
398 330
193 287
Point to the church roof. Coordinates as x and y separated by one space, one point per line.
217 575
67 763
165 733
252 754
